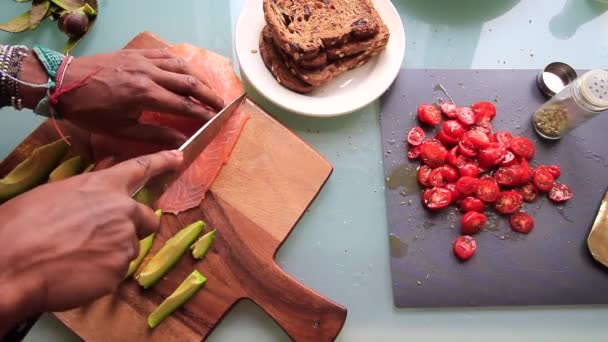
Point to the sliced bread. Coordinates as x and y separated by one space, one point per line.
304 28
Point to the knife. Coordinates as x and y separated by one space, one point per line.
191 149
597 241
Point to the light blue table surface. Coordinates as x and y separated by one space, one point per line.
340 248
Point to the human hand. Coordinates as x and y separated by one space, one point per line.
67 243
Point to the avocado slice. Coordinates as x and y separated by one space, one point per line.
89 168
145 245
181 295
67 169
200 247
144 196
32 171
169 254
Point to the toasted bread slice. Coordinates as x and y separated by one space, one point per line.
302 29
274 62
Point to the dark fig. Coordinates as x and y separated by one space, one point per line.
74 23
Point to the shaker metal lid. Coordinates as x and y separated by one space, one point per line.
555 77
594 88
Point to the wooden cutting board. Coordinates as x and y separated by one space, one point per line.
549 266
271 178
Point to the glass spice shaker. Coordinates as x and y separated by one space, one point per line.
581 100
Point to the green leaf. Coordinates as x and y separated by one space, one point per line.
40 10
18 24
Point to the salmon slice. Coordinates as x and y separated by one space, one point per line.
189 190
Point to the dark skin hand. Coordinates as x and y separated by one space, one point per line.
124 84
72 240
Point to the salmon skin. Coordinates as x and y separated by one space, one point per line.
190 188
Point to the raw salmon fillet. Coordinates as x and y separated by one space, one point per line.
189 190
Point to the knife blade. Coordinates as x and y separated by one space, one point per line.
191 149
597 241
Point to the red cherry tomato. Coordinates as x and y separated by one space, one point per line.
560 193
467 185
449 173
543 179
509 159
522 147
429 114
478 138
465 150
472 222
452 156
436 198
453 191
502 137
528 192
506 176
487 190
465 115
453 128
525 171
414 152
461 161
484 111
445 139
416 136
448 108
436 178
521 223
554 170
464 247
508 202
484 127
433 155
432 141
492 155
423 175
471 203
469 169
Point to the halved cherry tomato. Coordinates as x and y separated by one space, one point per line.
462 160
464 247
436 198
484 111
423 175
469 169
433 155
467 185
414 152
465 150
472 222
508 202
483 126
429 114
528 192
492 155
560 193
521 223
436 178
416 136
453 191
448 108
525 171
522 147
453 128
503 137
449 173
471 203
478 138
506 176
518 172
445 139
509 159
554 170
465 115
432 141
452 156
487 190
543 179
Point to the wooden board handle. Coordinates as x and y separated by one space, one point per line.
302 313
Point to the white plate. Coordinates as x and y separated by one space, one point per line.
342 95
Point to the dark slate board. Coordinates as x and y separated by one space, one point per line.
552 265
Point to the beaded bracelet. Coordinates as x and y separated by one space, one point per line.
11 58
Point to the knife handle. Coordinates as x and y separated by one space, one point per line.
17 334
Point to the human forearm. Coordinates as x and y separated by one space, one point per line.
32 72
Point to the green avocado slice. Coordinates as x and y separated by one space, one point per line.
169 254
32 171
200 247
181 295
67 169
89 168
145 245
144 196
